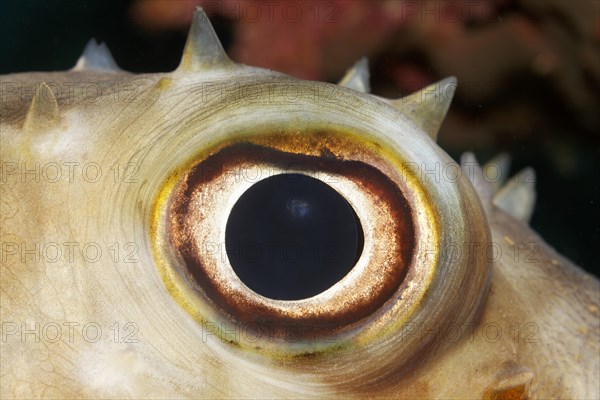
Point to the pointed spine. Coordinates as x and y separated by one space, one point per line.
517 197
512 383
428 107
357 77
96 56
203 50
43 111
496 170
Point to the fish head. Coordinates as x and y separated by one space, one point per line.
119 278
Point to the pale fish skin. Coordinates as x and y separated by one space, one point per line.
87 325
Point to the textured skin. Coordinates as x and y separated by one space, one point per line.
536 335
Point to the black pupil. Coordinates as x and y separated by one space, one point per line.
291 237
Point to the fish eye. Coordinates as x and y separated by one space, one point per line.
298 232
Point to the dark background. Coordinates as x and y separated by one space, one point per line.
532 68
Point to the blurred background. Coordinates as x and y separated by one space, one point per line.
528 71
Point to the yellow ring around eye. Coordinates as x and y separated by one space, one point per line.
372 281
385 318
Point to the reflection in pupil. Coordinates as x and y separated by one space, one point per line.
291 236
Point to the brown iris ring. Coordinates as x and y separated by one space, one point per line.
201 203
